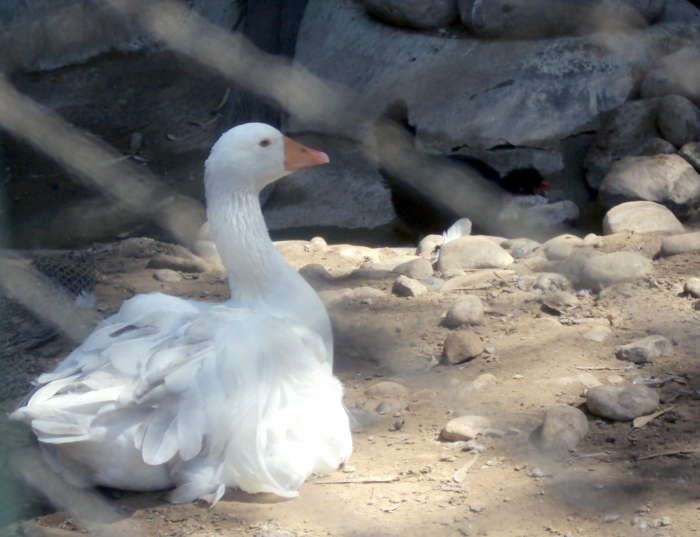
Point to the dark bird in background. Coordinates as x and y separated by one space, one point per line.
434 191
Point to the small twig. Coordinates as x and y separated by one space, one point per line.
669 452
641 421
588 456
366 481
597 368
462 472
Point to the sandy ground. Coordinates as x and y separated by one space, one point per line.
403 480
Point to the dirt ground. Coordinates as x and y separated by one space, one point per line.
401 482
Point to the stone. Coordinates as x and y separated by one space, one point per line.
473 253
674 74
560 299
428 244
627 132
691 153
205 249
319 242
418 14
390 264
335 297
549 281
665 179
641 217
460 347
552 214
167 275
645 350
679 244
657 146
615 380
678 120
592 241
563 428
561 247
363 293
520 248
315 272
408 287
389 406
466 311
465 428
622 402
162 261
692 287
432 283
601 271
386 389
597 334
416 268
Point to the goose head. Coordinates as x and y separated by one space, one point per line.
250 156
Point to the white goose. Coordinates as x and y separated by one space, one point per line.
178 393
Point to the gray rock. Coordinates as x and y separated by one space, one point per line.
466 311
640 217
473 253
657 146
678 120
432 283
520 248
167 275
601 271
335 297
628 131
363 293
621 403
645 350
691 153
563 428
560 299
549 281
429 243
389 405
404 286
386 389
665 179
162 261
416 269
692 287
415 13
319 242
679 244
552 214
561 247
677 73
465 428
460 347
598 334
315 272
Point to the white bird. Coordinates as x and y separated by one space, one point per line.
199 396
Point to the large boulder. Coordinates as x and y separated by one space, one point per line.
640 217
677 73
415 13
665 179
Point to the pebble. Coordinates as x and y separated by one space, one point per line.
563 428
598 334
615 380
428 244
416 268
548 281
162 261
465 428
389 405
319 241
520 248
348 469
467 311
460 347
601 271
407 287
680 244
167 275
315 272
692 287
473 253
364 293
622 403
640 217
561 247
335 297
390 389
560 299
645 350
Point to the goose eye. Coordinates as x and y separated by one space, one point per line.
264 143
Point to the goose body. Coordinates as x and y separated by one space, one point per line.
199 396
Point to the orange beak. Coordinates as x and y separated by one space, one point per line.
297 156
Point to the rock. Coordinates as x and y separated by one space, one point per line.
432 283
560 247
389 405
552 214
390 264
627 132
640 217
601 271
406 287
548 281
415 13
363 293
206 249
677 73
466 311
598 334
335 297
465 428
657 146
416 269
460 347
665 179
520 248
386 389
679 244
563 428
166 275
428 244
473 253
623 402
645 350
691 153
315 272
678 120
319 242
560 299
692 287
482 381
592 241
162 261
